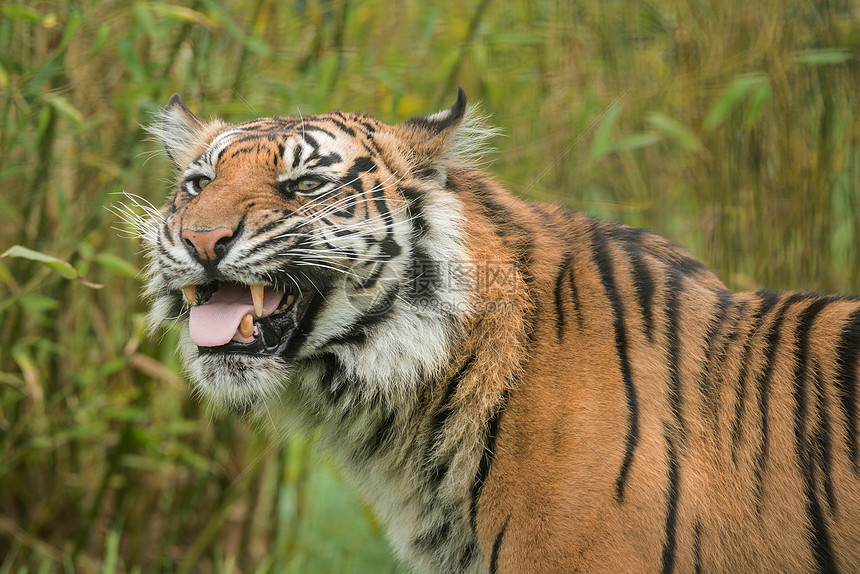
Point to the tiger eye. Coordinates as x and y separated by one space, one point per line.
202 182
308 184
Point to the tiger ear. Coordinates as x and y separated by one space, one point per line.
443 121
429 141
183 134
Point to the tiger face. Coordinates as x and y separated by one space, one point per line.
291 237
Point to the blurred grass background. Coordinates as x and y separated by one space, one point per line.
728 126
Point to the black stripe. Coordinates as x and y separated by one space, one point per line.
720 332
574 293
440 417
271 125
388 246
382 306
431 540
427 173
486 462
415 210
163 253
343 204
675 256
268 247
306 128
381 435
772 340
340 232
524 249
324 161
498 214
357 334
374 276
297 154
424 275
804 325
368 124
674 287
373 149
467 556
306 327
312 141
697 547
177 302
256 150
497 544
670 543
342 125
445 408
563 269
166 233
848 353
643 284
822 446
687 265
768 300
604 267
821 549
330 367
285 213
359 167
336 393
221 153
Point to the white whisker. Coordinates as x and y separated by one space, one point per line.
323 266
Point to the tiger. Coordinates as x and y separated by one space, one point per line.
511 386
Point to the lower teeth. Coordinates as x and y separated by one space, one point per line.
246 327
287 302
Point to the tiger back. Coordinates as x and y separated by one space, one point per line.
513 387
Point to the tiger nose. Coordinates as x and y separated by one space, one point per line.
208 245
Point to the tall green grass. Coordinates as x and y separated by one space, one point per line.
728 126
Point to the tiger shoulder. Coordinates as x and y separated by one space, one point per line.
513 387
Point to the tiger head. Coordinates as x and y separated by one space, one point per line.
292 243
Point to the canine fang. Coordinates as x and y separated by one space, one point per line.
190 293
257 296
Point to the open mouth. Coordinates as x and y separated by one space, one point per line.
229 317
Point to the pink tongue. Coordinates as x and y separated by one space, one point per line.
216 322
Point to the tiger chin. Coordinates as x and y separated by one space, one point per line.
513 387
